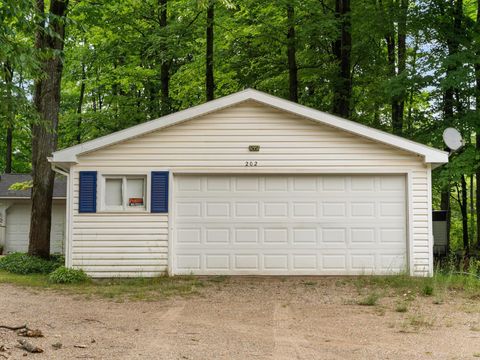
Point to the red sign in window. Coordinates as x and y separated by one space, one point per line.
135 202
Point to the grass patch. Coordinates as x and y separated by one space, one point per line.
369 300
409 287
144 289
420 321
218 279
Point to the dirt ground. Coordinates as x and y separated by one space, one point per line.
244 318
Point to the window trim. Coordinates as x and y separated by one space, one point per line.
124 208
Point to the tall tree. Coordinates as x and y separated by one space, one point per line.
291 54
209 80
454 15
10 115
342 47
477 130
49 41
165 61
398 101
80 104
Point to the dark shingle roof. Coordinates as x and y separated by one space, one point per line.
6 180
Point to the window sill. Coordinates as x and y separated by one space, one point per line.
128 211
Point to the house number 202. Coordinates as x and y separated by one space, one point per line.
251 163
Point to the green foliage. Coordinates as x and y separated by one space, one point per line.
427 290
20 263
63 275
25 185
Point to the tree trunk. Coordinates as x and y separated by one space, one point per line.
464 211
80 105
445 205
49 40
291 54
342 87
410 97
448 99
398 102
209 82
165 66
8 77
391 60
477 130
477 197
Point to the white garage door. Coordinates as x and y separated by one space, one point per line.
18 227
289 224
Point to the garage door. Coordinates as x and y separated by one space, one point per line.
289 224
18 228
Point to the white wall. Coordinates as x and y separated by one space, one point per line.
112 244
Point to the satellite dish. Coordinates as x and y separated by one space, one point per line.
453 139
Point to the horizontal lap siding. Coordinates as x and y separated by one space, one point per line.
421 251
119 244
216 142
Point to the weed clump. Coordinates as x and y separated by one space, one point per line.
63 275
370 300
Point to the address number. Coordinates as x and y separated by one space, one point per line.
251 163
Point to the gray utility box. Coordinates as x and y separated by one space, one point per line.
440 232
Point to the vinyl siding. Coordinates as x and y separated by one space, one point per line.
134 244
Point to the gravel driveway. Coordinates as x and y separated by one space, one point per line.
244 318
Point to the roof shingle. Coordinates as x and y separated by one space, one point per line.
6 180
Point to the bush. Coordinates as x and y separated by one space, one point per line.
20 263
64 275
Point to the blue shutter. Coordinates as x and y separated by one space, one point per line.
87 202
159 193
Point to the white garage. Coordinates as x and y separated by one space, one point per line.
249 184
15 208
281 224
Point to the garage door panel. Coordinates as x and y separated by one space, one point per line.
289 224
247 209
362 209
275 236
275 262
277 184
363 184
18 228
215 262
363 262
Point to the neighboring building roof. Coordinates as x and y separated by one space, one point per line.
431 155
6 180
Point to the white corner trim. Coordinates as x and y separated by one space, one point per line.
430 154
410 217
430 221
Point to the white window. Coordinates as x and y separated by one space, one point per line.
124 193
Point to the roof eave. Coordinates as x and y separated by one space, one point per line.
431 155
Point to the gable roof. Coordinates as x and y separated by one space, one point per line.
6 180
431 155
